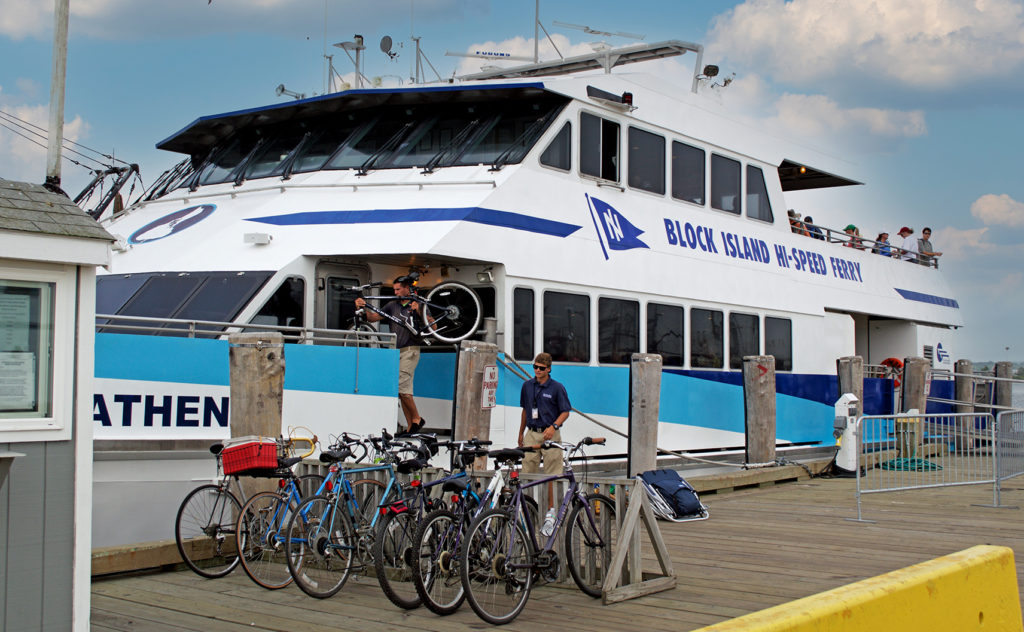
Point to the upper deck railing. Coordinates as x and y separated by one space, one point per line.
833 236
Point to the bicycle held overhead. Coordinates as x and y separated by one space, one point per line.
450 312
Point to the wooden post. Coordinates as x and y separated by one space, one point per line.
471 419
759 402
915 371
257 388
644 405
964 395
850 371
1003 390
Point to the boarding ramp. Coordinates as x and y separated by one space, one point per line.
914 451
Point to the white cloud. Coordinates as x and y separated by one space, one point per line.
23 153
998 210
923 43
958 244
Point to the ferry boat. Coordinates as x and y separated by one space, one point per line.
595 215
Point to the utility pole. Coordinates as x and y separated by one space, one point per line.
60 66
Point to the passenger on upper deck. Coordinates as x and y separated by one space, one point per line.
908 245
854 233
924 247
813 230
882 246
796 225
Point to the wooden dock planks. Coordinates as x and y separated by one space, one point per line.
761 547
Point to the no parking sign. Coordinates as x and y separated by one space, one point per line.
489 387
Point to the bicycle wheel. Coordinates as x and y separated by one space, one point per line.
204 531
436 571
369 496
262 539
394 557
496 565
309 485
321 548
453 311
588 552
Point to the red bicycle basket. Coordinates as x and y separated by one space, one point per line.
250 454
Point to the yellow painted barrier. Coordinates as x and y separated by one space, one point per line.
975 589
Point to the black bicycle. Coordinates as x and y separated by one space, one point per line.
451 311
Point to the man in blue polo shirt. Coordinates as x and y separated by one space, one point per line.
545 408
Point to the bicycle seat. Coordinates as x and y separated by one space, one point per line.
509 455
216 448
460 484
408 466
286 463
333 456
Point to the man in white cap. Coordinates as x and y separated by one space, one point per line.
908 247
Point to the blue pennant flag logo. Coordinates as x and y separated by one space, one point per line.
619 233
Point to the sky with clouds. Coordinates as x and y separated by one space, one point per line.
926 97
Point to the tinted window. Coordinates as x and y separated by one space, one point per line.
511 133
725 184
224 161
646 161
340 302
271 154
687 173
285 307
744 338
778 342
618 330
758 206
599 147
665 333
319 147
558 154
112 291
706 340
522 324
567 326
221 297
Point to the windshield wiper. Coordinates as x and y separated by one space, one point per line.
454 143
524 140
385 148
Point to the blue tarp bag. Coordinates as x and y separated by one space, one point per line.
679 496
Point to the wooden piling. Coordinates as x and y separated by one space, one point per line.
471 419
1003 390
257 389
759 404
964 395
644 405
915 370
850 371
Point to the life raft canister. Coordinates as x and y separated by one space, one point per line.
897 366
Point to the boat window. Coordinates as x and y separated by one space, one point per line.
113 291
778 341
341 306
429 139
558 153
219 167
271 154
599 147
706 341
522 324
744 338
725 184
320 147
502 134
219 298
285 308
646 161
567 326
758 206
371 140
618 330
687 173
665 333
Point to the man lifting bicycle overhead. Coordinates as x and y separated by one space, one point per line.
408 345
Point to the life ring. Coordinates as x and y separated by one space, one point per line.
897 366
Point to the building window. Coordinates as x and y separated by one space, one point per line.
665 333
687 173
778 342
26 349
599 147
744 338
758 206
646 161
567 326
618 330
559 153
725 184
706 341
522 324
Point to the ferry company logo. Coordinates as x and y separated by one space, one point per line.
941 354
171 223
612 228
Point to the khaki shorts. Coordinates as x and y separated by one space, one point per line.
552 456
409 357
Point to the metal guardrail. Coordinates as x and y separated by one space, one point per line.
217 329
914 451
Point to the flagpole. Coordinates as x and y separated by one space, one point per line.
60 64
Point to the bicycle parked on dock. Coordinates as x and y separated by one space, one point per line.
205 525
501 557
451 311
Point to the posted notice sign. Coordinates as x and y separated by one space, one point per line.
489 387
